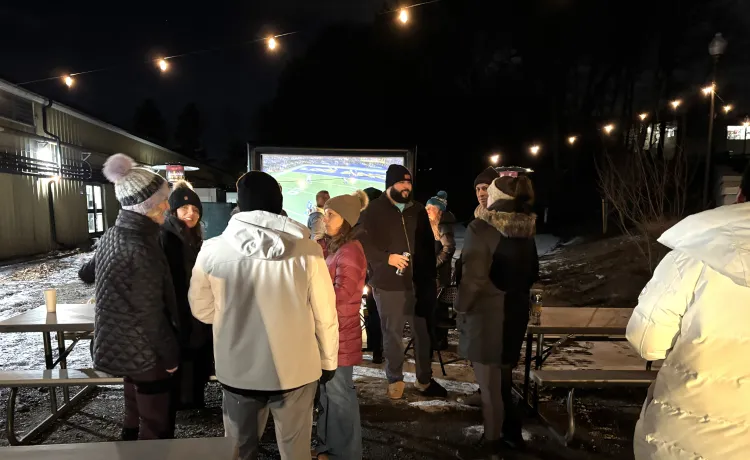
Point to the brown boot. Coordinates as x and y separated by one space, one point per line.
396 390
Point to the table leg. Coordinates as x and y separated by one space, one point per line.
47 340
539 351
527 370
63 361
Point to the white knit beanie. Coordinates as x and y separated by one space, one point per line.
137 189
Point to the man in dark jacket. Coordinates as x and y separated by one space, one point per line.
397 225
135 301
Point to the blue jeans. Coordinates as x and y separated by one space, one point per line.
339 428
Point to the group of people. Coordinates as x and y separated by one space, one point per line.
273 308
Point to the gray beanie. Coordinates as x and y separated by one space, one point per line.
137 189
349 206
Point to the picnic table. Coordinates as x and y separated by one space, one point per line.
594 323
69 318
170 449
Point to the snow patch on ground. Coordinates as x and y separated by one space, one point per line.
476 432
440 405
410 377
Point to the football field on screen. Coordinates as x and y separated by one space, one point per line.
302 177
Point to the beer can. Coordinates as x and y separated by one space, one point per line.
400 272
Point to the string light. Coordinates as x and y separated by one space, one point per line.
572 140
272 43
643 116
495 159
68 81
676 103
403 15
609 128
728 108
163 65
709 89
534 149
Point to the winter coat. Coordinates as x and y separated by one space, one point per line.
500 264
445 247
196 363
390 231
695 314
135 300
265 287
316 225
348 269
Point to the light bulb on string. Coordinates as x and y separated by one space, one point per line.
403 15
709 89
534 150
728 108
272 43
495 159
609 128
163 65
676 103
643 116
68 81
572 140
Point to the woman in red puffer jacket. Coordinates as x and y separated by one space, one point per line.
338 427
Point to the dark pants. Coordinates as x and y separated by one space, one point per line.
396 309
196 367
372 325
148 405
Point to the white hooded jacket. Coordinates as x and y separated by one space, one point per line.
265 287
695 312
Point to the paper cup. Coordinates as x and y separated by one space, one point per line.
50 299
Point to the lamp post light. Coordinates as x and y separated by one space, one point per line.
715 49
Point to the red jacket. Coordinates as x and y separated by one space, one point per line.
348 268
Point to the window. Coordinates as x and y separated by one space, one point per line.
95 208
16 108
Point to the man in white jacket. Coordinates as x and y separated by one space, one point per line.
695 312
265 287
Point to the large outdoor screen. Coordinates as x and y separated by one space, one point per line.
303 176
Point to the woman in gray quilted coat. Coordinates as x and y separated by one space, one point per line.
135 301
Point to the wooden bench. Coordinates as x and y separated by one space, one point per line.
50 378
585 378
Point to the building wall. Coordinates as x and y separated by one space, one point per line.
24 216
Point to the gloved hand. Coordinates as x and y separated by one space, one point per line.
327 376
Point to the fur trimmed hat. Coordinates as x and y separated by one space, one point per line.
137 189
349 206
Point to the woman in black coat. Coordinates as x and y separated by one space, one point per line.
181 238
500 265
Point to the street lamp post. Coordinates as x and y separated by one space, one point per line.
715 49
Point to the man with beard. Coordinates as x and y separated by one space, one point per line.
403 286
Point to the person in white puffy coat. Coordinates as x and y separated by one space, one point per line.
695 314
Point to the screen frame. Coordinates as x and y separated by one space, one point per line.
255 155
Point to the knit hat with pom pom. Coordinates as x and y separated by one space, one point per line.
440 201
349 206
137 189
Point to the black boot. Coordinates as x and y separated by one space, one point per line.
377 357
129 434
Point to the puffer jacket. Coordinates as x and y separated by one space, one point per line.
135 300
695 312
348 269
265 287
500 264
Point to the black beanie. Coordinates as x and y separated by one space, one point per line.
258 191
396 173
372 193
183 194
486 177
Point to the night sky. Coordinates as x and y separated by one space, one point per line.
50 38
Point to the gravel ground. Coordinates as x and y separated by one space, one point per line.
413 428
